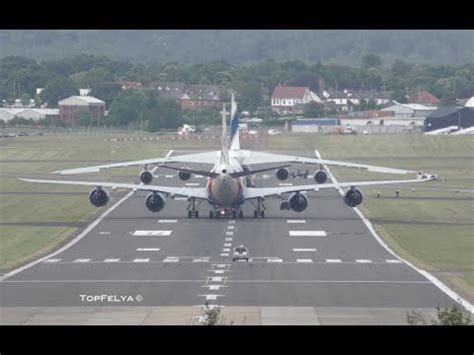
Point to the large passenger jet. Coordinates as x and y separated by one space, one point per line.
225 190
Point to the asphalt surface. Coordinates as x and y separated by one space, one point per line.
190 262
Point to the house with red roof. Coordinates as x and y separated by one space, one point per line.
423 97
291 99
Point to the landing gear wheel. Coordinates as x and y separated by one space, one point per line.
196 214
190 214
234 214
241 214
211 214
262 214
255 214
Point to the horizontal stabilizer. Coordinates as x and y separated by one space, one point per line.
251 172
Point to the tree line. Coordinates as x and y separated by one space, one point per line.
253 84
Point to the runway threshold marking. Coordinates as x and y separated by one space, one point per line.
307 233
141 260
160 233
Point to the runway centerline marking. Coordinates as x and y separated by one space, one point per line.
333 261
229 233
285 184
227 244
307 233
224 254
141 260
393 261
111 260
304 260
304 250
82 260
228 239
169 176
148 249
296 221
363 261
104 233
225 250
230 227
156 233
192 184
167 220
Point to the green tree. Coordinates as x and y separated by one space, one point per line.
400 68
25 99
58 89
454 315
371 61
314 110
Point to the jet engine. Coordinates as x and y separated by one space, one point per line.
353 197
155 202
184 175
146 177
297 202
99 197
282 174
320 177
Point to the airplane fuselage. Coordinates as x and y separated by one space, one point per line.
225 190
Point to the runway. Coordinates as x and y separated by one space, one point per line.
322 257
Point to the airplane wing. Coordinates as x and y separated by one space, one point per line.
203 158
197 192
269 191
252 157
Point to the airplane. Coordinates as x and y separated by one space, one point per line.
225 191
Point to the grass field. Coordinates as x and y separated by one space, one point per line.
435 230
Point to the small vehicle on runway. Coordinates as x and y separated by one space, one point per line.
240 253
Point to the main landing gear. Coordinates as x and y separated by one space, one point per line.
260 209
192 208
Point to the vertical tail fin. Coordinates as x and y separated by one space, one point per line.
234 125
224 144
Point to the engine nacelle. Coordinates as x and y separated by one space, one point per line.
353 197
99 197
320 177
146 177
297 202
155 202
184 175
282 174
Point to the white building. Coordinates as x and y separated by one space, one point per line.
8 114
409 110
290 99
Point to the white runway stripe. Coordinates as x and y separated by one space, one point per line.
274 260
363 261
192 184
180 198
304 249
333 261
82 260
148 249
52 261
161 233
111 260
104 233
230 227
167 220
227 244
296 221
169 176
141 260
201 260
228 239
393 261
229 233
216 279
214 287
307 234
304 260
231 221
199 176
225 250
224 254
218 271
171 260
286 184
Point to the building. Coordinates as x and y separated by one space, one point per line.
313 125
409 110
423 97
470 102
170 90
447 116
200 97
70 107
291 99
35 114
126 85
